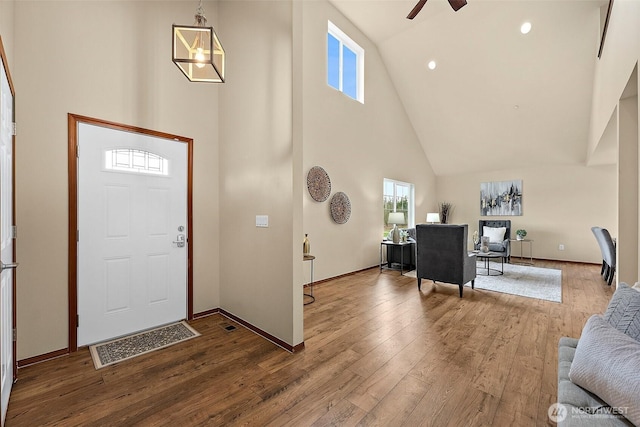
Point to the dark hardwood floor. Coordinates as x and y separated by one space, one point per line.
378 352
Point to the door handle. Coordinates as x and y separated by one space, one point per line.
180 241
4 266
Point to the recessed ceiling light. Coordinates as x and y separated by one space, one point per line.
432 65
525 28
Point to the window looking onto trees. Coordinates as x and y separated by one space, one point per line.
397 196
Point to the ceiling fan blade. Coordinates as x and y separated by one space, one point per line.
457 4
417 8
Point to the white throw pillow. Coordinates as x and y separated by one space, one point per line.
495 234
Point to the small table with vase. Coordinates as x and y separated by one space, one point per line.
403 246
486 257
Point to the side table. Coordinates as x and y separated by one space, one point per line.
402 245
309 258
486 257
522 259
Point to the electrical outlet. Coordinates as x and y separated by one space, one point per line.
561 247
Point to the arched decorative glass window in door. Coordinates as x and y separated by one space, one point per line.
136 161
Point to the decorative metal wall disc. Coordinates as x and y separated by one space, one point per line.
340 207
319 184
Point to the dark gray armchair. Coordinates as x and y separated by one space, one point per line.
608 249
504 246
442 255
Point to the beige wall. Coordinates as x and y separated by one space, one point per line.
560 205
255 139
297 154
271 138
109 60
627 244
619 57
614 71
358 145
257 164
257 149
6 28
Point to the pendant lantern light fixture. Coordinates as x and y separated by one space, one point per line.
197 51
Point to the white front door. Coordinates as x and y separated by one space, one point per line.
132 244
6 242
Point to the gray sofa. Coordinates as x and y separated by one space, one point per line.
582 407
599 373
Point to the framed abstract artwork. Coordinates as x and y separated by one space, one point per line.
501 198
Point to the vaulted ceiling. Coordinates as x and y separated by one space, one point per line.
497 97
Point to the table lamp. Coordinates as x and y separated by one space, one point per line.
395 218
433 217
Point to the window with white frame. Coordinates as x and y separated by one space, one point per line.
398 196
345 63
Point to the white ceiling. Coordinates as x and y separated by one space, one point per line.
497 96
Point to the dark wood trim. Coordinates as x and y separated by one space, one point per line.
206 313
328 279
190 229
557 260
129 128
249 326
69 391
5 63
72 129
263 334
43 357
14 300
604 30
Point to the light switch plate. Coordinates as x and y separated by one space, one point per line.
262 220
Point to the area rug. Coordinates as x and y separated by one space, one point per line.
530 282
114 351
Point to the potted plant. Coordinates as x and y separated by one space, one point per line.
520 234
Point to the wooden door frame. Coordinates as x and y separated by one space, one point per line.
72 122
14 316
